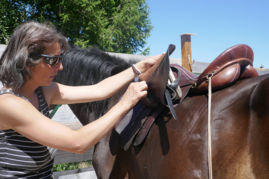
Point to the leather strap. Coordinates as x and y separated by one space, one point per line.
170 104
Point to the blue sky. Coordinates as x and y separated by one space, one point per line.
217 25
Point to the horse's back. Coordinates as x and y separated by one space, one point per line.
259 129
178 148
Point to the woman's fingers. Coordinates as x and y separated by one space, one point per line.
155 59
139 89
150 66
134 93
144 65
143 85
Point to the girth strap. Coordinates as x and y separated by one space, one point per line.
170 104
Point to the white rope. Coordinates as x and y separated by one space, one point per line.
209 128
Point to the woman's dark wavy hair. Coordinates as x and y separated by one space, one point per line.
25 45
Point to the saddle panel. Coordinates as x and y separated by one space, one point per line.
248 72
223 79
187 79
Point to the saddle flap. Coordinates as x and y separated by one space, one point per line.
158 80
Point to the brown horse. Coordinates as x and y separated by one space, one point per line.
179 148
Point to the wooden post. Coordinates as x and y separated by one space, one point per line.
186 58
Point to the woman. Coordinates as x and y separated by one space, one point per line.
28 65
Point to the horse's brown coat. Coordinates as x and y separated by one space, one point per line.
178 149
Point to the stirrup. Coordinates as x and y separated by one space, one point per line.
173 83
173 92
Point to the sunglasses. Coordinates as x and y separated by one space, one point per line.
52 60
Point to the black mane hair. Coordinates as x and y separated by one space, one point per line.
87 67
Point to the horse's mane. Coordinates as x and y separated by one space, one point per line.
86 67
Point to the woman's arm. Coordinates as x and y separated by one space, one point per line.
29 122
62 94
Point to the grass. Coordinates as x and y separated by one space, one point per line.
71 166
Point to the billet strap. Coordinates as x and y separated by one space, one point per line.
171 76
170 104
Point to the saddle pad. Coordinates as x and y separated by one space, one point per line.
129 126
143 132
135 126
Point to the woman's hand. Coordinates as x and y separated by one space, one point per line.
134 93
146 64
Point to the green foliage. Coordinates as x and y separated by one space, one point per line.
112 25
11 15
72 166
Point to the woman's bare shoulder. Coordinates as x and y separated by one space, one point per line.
7 99
10 106
13 108
10 103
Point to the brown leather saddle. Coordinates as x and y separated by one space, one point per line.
231 65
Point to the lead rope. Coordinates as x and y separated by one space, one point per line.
209 127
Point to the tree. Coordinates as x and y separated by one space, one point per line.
11 15
112 25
